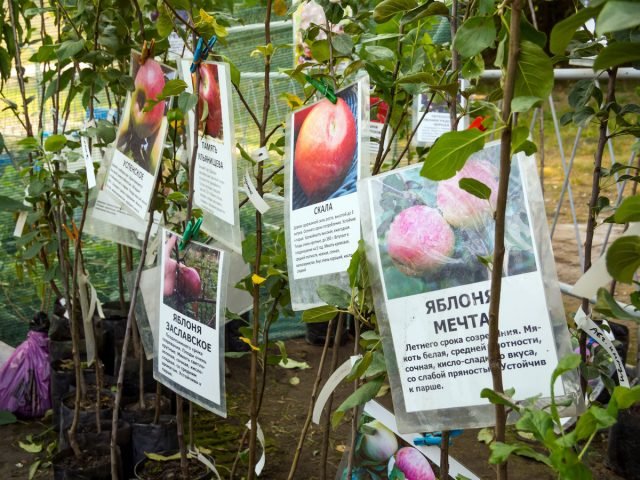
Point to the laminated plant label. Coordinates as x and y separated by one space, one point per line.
189 353
324 219
215 186
430 244
140 137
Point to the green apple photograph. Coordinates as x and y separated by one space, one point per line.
325 153
209 99
139 131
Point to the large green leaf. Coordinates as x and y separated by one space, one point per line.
618 15
450 152
55 143
425 10
623 258
7 417
608 306
617 53
332 295
387 9
534 77
475 188
164 24
361 396
628 211
8 204
564 30
69 49
319 314
474 36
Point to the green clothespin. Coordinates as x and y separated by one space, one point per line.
323 88
190 232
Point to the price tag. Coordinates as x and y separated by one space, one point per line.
254 196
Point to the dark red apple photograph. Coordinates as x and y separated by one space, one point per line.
209 99
139 133
191 280
325 150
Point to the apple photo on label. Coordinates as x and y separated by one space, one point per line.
325 154
432 235
191 280
138 135
209 98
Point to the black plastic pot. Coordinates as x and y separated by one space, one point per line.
624 445
154 438
132 413
93 464
87 416
61 381
88 436
140 467
317 333
63 350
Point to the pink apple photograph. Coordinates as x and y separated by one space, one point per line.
325 150
139 133
190 283
209 98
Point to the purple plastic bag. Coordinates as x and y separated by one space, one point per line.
25 378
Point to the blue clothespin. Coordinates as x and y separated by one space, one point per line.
435 438
190 232
202 52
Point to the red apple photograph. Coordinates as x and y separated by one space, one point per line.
209 101
325 155
191 279
139 133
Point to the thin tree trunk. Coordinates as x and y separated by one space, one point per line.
495 363
184 468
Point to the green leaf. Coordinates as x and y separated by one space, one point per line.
475 35
425 10
617 53
319 314
173 87
186 101
450 152
564 30
354 264
475 188
566 364
69 49
420 77
608 306
360 367
624 397
387 9
7 418
33 469
534 76
524 104
361 396
500 452
623 258
5 63
320 50
30 447
8 204
164 24
332 295
162 458
55 143
618 15
628 211
342 43
498 398
379 54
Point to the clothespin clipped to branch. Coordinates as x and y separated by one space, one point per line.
202 52
435 438
323 88
190 232
147 51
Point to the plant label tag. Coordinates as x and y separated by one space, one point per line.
254 196
88 162
22 219
260 155
263 458
331 384
584 323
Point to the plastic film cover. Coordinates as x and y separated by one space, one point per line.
327 152
189 347
428 247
